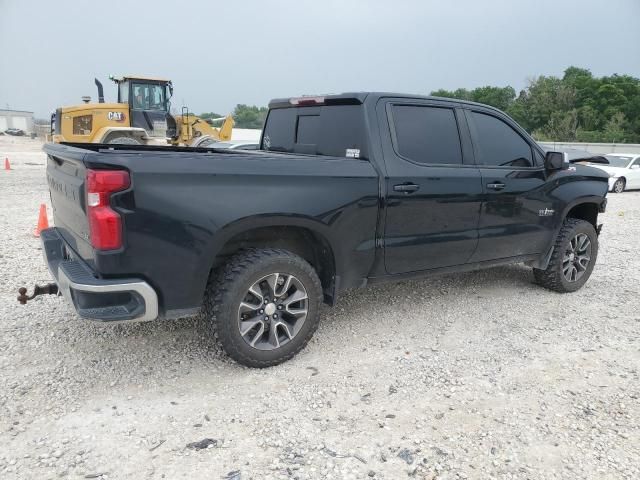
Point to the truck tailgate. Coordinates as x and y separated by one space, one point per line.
66 178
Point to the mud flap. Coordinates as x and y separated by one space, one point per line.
543 262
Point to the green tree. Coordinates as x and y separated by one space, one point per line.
210 115
589 118
244 116
562 126
519 111
501 98
249 116
495 96
443 93
614 130
577 106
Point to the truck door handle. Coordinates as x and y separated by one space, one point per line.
496 186
406 187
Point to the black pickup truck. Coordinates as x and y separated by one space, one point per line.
346 190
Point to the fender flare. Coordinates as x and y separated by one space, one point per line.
236 227
543 261
226 232
595 199
104 132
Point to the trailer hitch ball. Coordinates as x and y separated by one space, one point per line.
48 289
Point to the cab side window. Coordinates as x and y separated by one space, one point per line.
497 144
123 92
140 97
156 97
427 135
148 96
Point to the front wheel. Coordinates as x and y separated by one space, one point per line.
573 258
618 187
263 306
123 140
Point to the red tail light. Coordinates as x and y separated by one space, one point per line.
105 224
302 101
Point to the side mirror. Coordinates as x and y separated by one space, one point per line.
635 167
555 161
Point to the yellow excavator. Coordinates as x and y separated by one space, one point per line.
141 116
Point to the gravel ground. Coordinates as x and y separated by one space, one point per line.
481 375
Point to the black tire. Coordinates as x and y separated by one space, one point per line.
204 142
619 185
230 286
553 277
123 140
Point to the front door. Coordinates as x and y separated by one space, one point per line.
633 181
516 214
433 195
149 108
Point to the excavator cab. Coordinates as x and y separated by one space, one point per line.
149 105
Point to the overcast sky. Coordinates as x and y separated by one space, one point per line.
220 53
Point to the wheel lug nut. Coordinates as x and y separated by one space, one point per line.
275 315
266 318
261 311
279 307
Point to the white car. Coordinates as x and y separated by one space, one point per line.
623 170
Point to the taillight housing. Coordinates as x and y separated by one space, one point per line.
105 224
303 101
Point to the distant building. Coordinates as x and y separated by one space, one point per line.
16 119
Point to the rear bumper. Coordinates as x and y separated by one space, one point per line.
104 300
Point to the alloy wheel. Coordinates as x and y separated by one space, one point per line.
618 187
273 311
576 258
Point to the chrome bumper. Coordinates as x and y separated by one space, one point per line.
104 300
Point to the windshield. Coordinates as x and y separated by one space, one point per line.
149 96
619 162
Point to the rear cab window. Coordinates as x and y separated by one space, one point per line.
327 130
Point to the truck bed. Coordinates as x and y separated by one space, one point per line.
184 204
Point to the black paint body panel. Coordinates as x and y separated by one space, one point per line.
185 204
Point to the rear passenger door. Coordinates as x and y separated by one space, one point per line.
513 177
433 192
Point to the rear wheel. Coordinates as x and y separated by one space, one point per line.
574 256
263 307
123 140
618 187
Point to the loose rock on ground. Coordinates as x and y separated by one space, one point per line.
481 375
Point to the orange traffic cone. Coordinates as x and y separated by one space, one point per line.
43 221
7 165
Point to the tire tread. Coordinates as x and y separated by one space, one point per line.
219 290
550 277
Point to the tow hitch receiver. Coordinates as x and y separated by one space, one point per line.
48 289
